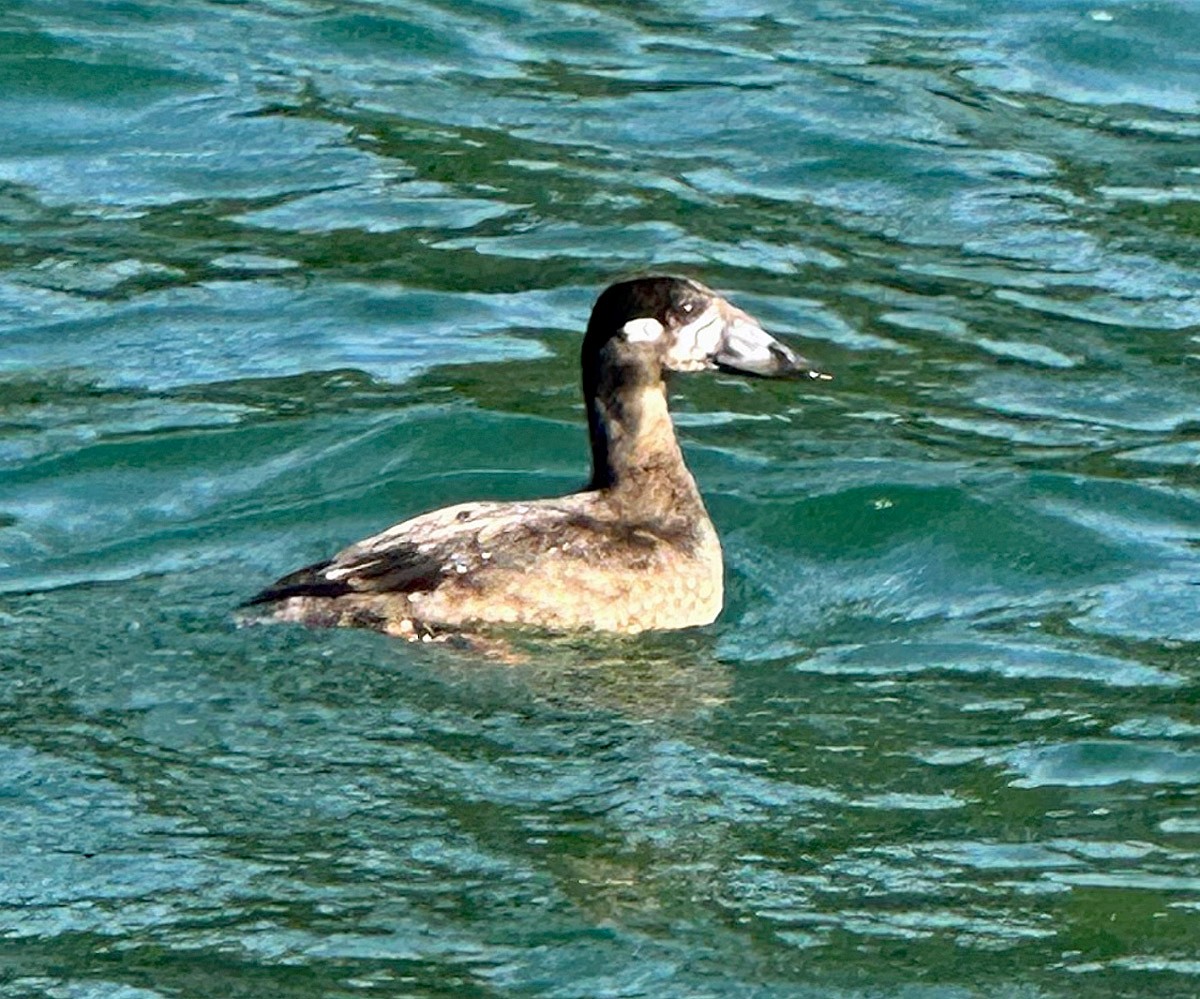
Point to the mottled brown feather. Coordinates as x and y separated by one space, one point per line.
636 551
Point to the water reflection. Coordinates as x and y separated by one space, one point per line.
642 679
277 274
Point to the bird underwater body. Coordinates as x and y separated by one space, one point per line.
634 551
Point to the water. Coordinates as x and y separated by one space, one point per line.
277 273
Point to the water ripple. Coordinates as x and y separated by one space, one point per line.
275 274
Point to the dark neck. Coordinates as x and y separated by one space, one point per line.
635 456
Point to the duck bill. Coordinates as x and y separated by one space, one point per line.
745 348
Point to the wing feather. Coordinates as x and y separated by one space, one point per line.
420 554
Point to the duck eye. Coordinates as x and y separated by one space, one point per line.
687 307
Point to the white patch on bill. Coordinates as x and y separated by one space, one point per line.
751 346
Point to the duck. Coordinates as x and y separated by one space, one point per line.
633 551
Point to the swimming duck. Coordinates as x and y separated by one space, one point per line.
634 551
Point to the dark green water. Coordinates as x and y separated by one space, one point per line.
275 274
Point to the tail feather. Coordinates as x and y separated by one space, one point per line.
310 581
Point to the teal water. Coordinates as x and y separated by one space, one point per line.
275 274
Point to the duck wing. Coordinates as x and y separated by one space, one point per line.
418 555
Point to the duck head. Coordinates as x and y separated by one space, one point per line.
669 323
638 331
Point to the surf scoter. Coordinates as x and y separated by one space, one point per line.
635 550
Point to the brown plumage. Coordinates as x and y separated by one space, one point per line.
634 551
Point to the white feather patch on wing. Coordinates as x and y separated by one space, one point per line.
642 330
